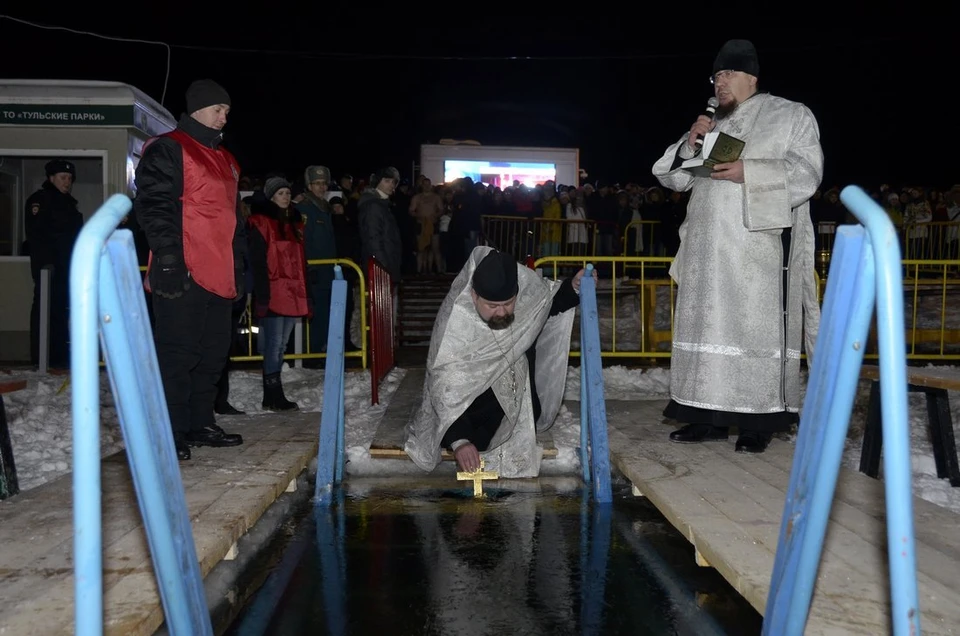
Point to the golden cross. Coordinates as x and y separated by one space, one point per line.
477 477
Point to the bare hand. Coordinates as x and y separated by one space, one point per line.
728 171
700 128
579 276
468 458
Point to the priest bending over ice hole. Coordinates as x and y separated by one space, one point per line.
496 367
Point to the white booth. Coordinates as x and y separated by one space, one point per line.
101 127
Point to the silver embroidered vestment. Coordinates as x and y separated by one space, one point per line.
466 358
733 347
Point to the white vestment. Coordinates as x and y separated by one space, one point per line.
466 358
734 349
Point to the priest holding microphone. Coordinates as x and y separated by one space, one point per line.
746 301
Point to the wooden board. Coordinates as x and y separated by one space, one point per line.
932 377
227 490
729 505
390 436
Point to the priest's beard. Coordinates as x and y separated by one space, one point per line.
724 111
500 322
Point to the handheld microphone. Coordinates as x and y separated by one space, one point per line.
710 112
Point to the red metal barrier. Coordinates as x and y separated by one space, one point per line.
381 326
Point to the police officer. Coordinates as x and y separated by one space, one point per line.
52 223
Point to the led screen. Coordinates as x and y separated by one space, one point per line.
499 173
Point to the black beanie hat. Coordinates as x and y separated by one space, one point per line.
203 93
495 278
737 55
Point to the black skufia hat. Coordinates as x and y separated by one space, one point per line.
495 278
737 55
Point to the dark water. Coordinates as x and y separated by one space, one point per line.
534 558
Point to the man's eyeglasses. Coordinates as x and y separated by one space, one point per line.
716 77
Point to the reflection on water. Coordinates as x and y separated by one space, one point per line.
533 557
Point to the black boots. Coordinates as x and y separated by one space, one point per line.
220 405
273 397
212 435
209 435
747 442
183 450
694 433
753 442
225 408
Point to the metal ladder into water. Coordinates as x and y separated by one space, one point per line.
865 272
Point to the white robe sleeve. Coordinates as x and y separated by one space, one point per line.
773 187
669 177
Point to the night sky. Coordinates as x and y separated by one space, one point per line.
359 89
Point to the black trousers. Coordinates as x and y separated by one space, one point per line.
223 384
192 335
479 423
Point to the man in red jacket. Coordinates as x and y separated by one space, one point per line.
189 208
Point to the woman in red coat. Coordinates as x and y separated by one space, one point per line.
278 265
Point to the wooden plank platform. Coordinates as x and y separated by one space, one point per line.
390 436
227 490
932 377
729 506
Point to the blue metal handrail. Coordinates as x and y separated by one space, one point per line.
594 462
901 543
864 273
107 300
330 452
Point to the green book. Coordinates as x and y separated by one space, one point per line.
718 147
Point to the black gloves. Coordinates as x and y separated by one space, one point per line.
239 279
169 277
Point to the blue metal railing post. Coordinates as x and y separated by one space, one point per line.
864 273
584 418
897 469
832 388
85 408
142 408
107 298
330 452
593 410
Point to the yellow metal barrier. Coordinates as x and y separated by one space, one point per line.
362 306
311 355
930 288
647 297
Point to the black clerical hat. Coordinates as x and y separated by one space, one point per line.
737 55
495 278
